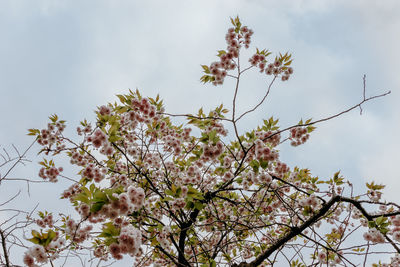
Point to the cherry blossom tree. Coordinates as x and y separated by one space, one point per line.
167 194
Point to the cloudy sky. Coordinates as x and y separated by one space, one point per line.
67 57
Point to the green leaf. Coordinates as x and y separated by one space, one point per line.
263 164
169 192
82 198
310 128
53 118
97 206
100 196
50 236
85 190
206 69
371 224
221 52
189 205
34 240
255 165
33 132
122 98
380 220
178 192
374 186
166 199
338 179
109 229
92 187
212 136
35 234
198 205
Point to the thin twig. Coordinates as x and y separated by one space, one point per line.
262 100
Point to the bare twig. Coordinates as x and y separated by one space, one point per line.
262 100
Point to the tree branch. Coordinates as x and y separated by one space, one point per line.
4 245
298 230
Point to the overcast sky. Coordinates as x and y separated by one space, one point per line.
67 57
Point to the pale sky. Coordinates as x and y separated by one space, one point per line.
67 57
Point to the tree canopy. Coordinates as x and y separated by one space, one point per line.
170 194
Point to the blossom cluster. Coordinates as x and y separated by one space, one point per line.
309 201
263 152
71 191
212 151
36 253
41 254
374 235
276 68
52 134
122 205
78 234
50 173
129 242
298 136
99 139
46 220
235 38
395 221
142 111
271 137
93 172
